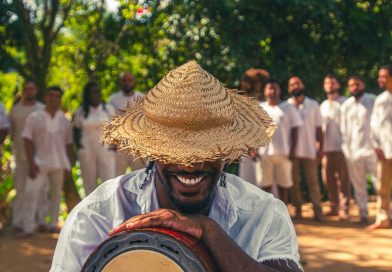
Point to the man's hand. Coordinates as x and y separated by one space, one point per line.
33 170
191 224
380 154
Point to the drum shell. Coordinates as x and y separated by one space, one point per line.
189 253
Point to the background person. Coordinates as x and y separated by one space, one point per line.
48 145
120 100
309 147
357 144
381 125
334 167
275 164
253 82
19 112
96 160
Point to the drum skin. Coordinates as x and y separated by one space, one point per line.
165 250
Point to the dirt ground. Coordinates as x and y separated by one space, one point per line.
329 246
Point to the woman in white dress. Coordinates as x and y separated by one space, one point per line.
96 160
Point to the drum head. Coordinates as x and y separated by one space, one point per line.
142 260
148 250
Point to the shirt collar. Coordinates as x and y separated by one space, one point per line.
223 209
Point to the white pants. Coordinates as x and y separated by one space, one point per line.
33 190
250 170
96 161
123 161
358 169
20 177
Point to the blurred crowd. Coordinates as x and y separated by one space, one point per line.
350 136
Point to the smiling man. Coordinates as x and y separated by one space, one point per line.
189 126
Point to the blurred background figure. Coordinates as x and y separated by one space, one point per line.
96 160
357 145
48 145
275 164
119 100
334 167
253 82
381 125
19 112
309 147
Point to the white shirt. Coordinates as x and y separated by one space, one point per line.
4 123
355 126
90 126
259 223
286 117
311 117
50 137
381 123
330 113
120 101
18 116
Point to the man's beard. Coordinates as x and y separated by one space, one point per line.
190 208
128 89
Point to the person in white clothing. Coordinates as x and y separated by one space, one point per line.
19 112
276 165
357 144
252 83
334 167
309 147
184 187
96 160
381 125
120 100
48 145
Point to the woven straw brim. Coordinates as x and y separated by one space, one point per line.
133 133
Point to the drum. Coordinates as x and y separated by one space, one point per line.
150 249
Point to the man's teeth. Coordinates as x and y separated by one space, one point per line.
188 181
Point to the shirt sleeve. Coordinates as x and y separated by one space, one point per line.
78 239
28 130
280 240
375 124
318 118
4 122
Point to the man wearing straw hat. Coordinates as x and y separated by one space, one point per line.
188 126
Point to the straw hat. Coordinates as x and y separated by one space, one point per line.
190 117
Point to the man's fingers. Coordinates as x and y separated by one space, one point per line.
152 219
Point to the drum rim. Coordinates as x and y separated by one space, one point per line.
95 264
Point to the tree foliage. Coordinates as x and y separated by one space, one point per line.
56 42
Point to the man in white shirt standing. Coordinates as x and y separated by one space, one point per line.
48 145
381 125
309 147
18 115
120 100
357 144
275 164
334 171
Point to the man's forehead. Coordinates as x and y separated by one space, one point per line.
295 80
